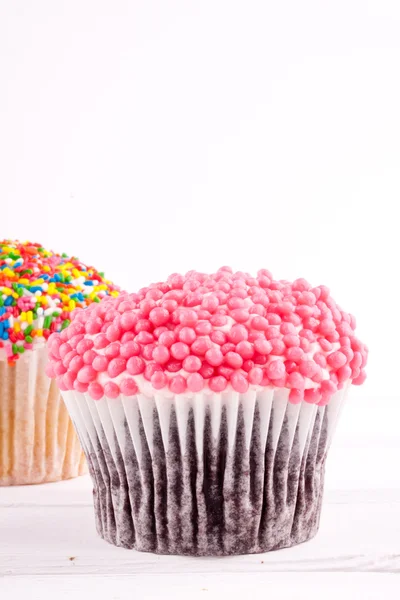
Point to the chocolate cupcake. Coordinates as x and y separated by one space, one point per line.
38 291
206 406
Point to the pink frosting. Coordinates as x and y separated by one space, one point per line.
199 332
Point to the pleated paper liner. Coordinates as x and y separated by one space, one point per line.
206 475
38 442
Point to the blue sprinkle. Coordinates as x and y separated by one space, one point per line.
5 335
8 301
6 324
90 282
2 311
35 288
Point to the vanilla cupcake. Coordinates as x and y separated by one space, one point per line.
206 406
38 292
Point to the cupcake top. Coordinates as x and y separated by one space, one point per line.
39 290
211 333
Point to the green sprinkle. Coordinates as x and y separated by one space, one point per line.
27 272
28 339
64 255
20 292
65 324
15 349
101 273
56 314
96 299
28 330
21 349
1 301
47 322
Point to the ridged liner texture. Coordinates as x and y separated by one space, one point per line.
38 442
206 475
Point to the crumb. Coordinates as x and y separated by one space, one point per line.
71 558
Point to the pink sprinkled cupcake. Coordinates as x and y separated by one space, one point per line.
206 406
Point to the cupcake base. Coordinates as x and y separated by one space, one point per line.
208 475
38 443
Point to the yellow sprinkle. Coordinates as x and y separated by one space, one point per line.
39 332
37 282
29 316
52 288
7 291
114 293
9 273
76 273
24 281
72 305
64 298
17 327
46 268
22 316
93 295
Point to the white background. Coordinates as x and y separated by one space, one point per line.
148 137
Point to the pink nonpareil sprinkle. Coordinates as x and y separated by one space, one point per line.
218 384
225 330
128 387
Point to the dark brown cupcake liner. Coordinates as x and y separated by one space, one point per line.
208 475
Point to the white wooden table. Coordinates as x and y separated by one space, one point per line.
49 547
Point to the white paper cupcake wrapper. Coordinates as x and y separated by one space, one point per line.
206 475
38 442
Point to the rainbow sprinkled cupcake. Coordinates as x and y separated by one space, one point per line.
206 406
39 290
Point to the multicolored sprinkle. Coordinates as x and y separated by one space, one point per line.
39 290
